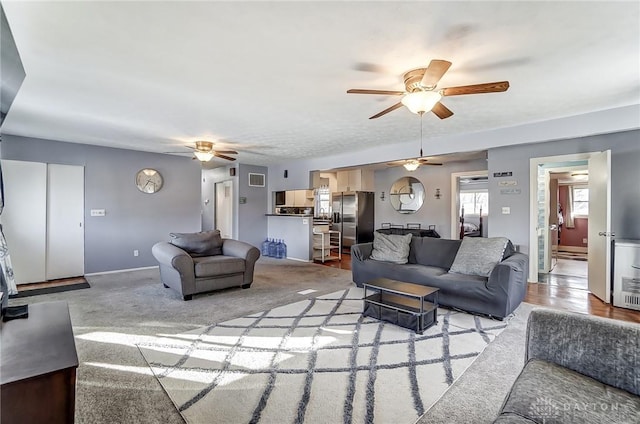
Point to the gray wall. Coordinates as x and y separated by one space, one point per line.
134 220
434 211
625 186
252 222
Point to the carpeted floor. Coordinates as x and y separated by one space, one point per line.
115 385
315 361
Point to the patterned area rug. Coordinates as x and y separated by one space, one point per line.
315 361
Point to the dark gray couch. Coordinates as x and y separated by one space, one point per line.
579 369
429 262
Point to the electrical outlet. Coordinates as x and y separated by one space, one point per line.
506 210
98 212
136 253
584 240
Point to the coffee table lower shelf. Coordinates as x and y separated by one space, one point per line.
401 311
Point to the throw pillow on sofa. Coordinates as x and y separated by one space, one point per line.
478 256
205 243
391 248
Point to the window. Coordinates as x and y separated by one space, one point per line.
474 201
323 201
580 201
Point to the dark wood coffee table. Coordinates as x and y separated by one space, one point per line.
38 366
408 305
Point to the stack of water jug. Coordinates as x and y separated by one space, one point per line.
274 248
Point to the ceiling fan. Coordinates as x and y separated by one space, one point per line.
204 152
421 94
413 164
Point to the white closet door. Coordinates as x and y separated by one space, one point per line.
24 218
65 221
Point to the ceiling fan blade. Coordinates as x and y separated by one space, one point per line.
387 110
216 154
434 72
396 163
441 111
489 87
179 153
380 92
426 162
229 152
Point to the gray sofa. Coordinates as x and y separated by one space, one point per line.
201 262
579 369
429 262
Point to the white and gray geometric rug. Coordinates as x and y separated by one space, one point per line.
315 361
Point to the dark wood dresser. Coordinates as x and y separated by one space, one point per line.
38 363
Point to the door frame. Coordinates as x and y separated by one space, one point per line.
229 208
547 188
533 202
455 196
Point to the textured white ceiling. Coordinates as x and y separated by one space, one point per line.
269 78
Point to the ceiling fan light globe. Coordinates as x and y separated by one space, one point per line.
203 156
420 102
411 165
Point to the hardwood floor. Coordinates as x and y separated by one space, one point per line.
554 296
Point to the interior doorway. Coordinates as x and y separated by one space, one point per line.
555 183
469 204
565 248
224 208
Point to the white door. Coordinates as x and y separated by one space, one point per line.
65 221
599 232
224 208
24 218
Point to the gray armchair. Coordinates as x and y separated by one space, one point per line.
579 369
201 262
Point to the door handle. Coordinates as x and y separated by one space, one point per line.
553 227
605 234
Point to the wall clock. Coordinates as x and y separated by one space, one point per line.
148 180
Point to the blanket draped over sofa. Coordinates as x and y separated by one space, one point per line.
429 262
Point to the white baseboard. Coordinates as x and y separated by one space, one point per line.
121 270
574 249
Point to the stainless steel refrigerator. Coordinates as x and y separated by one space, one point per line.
352 215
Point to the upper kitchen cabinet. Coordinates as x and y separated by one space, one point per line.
355 180
299 198
290 198
303 198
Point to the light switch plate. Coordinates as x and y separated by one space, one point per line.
506 210
98 212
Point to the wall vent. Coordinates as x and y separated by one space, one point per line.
632 301
256 180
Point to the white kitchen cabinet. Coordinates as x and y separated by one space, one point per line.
300 198
289 198
355 180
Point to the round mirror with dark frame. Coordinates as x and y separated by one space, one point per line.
407 195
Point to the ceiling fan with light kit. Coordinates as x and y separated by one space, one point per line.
421 94
204 152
